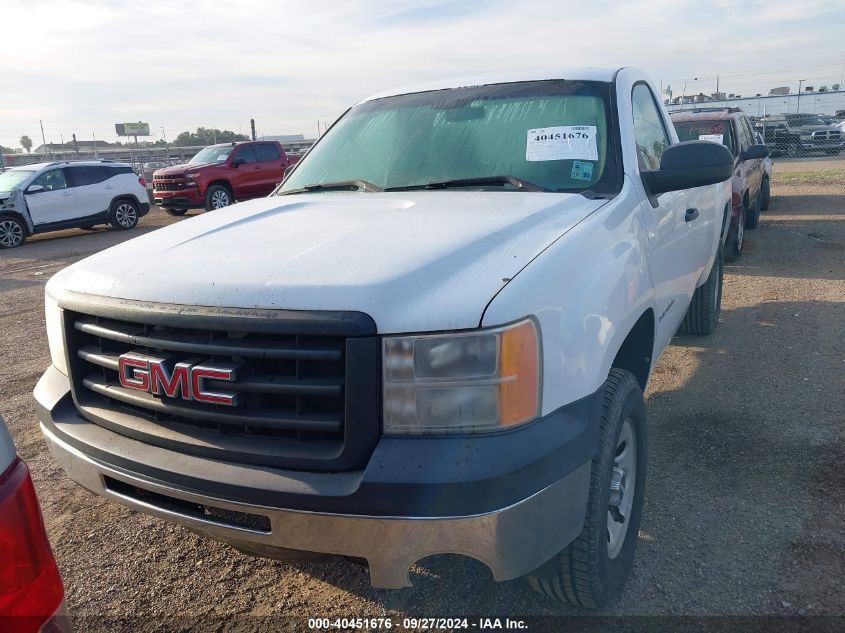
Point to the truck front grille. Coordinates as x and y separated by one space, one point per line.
305 393
162 185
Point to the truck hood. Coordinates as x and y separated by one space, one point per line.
413 261
178 170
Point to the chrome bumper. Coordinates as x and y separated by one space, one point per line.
511 541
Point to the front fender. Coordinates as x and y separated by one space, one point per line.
587 290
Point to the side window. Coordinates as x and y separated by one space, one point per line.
88 175
752 136
52 180
649 131
246 153
266 151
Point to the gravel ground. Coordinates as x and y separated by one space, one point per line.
744 509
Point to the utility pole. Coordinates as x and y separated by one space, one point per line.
62 138
798 105
43 139
252 127
75 146
717 84
94 137
214 133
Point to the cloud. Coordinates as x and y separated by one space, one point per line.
84 65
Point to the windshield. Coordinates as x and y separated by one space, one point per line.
554 134
211 155
9 180
714 131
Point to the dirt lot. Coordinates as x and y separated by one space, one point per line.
745 502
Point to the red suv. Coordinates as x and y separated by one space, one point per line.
750 180
220 174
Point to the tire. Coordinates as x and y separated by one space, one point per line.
833 152
12 232
736 239
752 218
702 316
217 197
765 194
591 571
123 214
791 150
175 212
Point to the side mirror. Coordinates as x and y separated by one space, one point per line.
238 161
755 151
35 189
688 165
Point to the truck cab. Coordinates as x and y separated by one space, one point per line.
218 175
433 338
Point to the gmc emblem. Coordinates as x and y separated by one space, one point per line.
161 377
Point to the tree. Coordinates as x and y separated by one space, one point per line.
26 143
207 136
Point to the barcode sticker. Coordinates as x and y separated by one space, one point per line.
564 142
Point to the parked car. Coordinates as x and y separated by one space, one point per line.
799 134
31 591
731 128
150 168
433 338
220 174
66 195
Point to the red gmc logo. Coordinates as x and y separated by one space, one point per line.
186 380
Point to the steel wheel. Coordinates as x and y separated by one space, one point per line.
740 230
220 199
125 215
11 233
623 481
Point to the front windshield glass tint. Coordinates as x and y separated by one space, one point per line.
211 155
555 134
714 131
9 180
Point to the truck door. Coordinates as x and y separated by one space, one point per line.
670 218
55 202
754 167
248 176
272 167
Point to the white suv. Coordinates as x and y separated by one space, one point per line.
65 195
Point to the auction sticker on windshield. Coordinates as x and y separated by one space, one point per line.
713 138
563 142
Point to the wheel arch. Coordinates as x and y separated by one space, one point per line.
125 196
223 183
17 215
636 352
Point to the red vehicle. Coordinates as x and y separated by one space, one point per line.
31 590
221 174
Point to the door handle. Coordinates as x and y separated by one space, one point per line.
690 215
66 194
109 187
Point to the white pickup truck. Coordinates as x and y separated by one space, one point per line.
433 337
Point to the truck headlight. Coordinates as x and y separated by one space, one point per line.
55 333
466 382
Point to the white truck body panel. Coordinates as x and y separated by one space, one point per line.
403 258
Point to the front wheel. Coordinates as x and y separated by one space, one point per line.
12 232
217 197
123 215
591 571
702 316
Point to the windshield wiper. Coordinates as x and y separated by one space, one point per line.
341 185
518 183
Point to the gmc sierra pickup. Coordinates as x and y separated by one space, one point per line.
434 336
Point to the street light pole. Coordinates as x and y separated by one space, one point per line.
798 104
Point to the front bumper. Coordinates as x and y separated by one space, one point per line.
512 521
189 197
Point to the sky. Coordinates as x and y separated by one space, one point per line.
82 65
